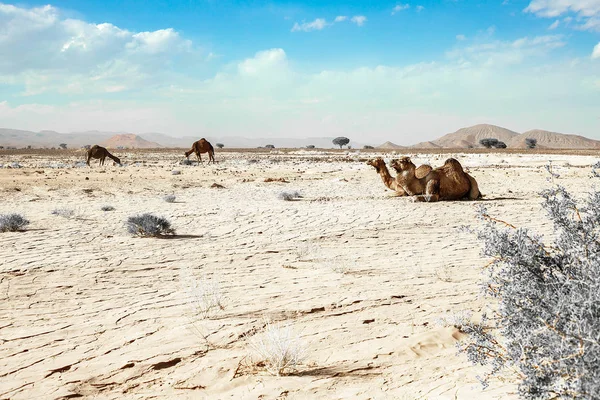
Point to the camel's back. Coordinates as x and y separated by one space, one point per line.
454 183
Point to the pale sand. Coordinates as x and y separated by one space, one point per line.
86 309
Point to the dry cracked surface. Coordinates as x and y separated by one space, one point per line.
89 311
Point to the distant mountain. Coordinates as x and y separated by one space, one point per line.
389 146
425 145
470 137
553 140
129 140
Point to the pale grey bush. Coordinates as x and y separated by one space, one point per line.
170 198
547 322
149 225
279 347
12 222
63 212
107 208
175 172
289 196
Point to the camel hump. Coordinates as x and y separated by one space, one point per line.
423 171
453 164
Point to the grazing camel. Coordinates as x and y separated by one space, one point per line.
388 180
448 182
202 146
99 152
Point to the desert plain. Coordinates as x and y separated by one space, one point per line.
361 277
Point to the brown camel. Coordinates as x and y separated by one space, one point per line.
388 180
202 146
448 182
99 152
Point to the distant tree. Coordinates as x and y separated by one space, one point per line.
63 146
29 147
367 147
500 145
270 146
488 142
87 147
1 147
531 143
220 145
310 146
341 141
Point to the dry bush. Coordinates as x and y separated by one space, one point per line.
12 222
149 225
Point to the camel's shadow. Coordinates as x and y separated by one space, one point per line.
500 199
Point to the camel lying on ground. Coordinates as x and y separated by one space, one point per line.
448 182
202 146
99 152
388 180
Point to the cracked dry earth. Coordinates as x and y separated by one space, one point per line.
88 311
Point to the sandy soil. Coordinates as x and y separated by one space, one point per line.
362 276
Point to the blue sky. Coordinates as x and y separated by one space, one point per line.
400 71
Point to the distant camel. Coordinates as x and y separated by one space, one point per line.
448 182
202 146
99 152
388 180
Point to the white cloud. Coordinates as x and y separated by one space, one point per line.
586 11
263 61
341 18
400 7
359 20
50 52
596 51
419 8
554 25
461 37
316 25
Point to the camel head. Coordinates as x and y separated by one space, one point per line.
117 160
402 164
187 153
377 163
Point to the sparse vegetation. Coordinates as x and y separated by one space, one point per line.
531 143
269 146
107 208
170 198
341 141
367 147
488 142
149 225
290 195
204 295
12 222
63 146
547 322
279 348
63 212
310 146
175 172
500 145
185 162
220 145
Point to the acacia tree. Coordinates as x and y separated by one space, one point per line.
500 145
63 146
531 143
341 141
488 142
220 145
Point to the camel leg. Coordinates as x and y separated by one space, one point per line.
474 192
88 160
199 158
432 192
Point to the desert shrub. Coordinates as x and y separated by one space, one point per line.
108 208
170 198
531 143
488 142
310 146
149 225
175 172
204 295
279 348
289 196
185 161
546 323
63 212
12 222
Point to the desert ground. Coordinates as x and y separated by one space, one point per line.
362 277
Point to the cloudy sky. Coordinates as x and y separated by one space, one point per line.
399 71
